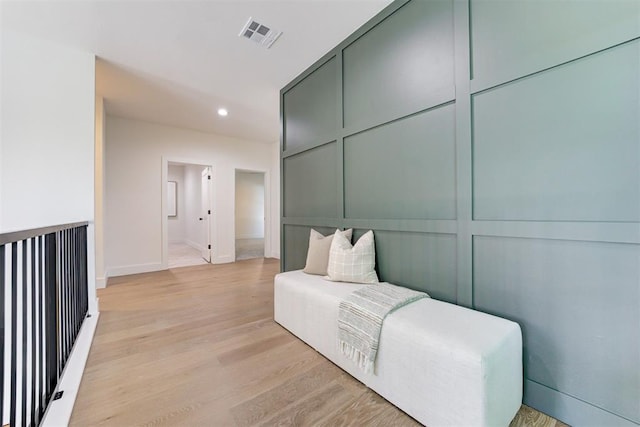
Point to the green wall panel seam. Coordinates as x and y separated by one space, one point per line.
306 73
377 121
611 419
470 38
282 178
349 132
582 400
299 150
472 153
566 221
464 159
585 232
340 138
480 91
418 226
555 239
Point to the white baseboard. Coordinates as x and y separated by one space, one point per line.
135 269
274 253
59 411
223 259
101 282
249 236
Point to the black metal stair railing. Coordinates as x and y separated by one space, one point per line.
43 303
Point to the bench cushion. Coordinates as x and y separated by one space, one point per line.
440 363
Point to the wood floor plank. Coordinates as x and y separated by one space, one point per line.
308 411
197 346
256 410
530 417
253 349
371 410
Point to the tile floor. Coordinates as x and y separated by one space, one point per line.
249 248
183 255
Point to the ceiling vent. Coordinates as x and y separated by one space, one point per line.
260 33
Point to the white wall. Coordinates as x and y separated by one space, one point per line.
176 223
275 205
250 212
2 59
47 103
47 163
47 98
99 192
194 235
136 152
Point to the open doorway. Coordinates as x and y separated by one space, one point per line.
250 214
189 214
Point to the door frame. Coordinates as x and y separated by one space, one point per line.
209 214
266 207
164 222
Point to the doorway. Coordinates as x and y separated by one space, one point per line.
189 214
250 214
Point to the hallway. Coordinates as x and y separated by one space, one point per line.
198 346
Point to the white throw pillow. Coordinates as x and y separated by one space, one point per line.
318 253
352 263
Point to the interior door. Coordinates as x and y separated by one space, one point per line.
205 214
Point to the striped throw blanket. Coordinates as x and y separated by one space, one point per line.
360 318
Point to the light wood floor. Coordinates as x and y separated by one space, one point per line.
198 346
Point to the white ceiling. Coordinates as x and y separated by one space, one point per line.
176 62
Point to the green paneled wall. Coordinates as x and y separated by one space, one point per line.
549 287
310 183
575 157
432 257
420 150
378 85
311 121
494 148
511 39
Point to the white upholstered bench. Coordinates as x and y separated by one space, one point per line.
440 363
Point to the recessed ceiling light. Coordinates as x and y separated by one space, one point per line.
223 112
